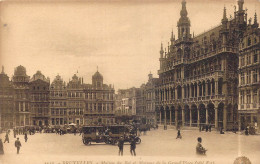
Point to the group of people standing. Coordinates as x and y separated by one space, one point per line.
17 142
121 146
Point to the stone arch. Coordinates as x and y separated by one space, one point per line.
179 92
173 114
167 109
220 114
187 114
194 114
211 113
202 113
179 115
229 113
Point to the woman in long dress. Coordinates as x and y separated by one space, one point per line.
1 147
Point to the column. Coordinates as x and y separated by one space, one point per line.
198 121
170 117
190 117
198 90
165 118
24 120
24 106
19 106
216 117
225 117
176 118
216 87
160 117
182 116
206 87
207 115
176 93
159 95
170 93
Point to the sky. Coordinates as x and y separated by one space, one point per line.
121 37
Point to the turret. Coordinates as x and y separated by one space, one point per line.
255 21
183 23
224 19
161 51
172 38
240 5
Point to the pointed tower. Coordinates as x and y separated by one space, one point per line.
255 21
240 12
161 51
172 38
224 31
183 23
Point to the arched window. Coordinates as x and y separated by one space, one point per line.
249 41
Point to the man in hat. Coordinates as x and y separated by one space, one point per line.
6 138
18 144
121 145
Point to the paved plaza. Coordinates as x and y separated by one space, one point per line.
156 145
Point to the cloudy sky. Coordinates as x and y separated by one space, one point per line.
121 37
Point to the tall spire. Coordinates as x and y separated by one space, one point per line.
161 51
172 38
183 12
183 23
255 20
224 19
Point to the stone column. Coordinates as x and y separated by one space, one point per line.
216 87
198 121
198 90
225 117
190 117
182 116
207 115
160 117
165 118
164 95
176 118
216 117
170 117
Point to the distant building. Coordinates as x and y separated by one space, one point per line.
99 102
58 102
249 76
20 80
75 101
150 99
39 92
6 101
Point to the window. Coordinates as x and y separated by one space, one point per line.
255 76
242 78
248 42
255 58
248 60
248 97
255 96
248 77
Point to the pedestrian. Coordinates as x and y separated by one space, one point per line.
17 144
246 132
121 146
199 148
179 134
14 133
200 127
1 147
25 137
209 127
221 131
132 147
6 138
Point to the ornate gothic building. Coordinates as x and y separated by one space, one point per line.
199 75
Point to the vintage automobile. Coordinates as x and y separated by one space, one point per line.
94 134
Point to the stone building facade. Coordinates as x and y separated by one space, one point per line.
99 102
39 99
249 76
199 74
58 102
150 99
22 113
75 101
6 101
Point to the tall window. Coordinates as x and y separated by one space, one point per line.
255 96
248 97
255 58
248 59
248 77
242 97
242 78
248 42
243 61
255 76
